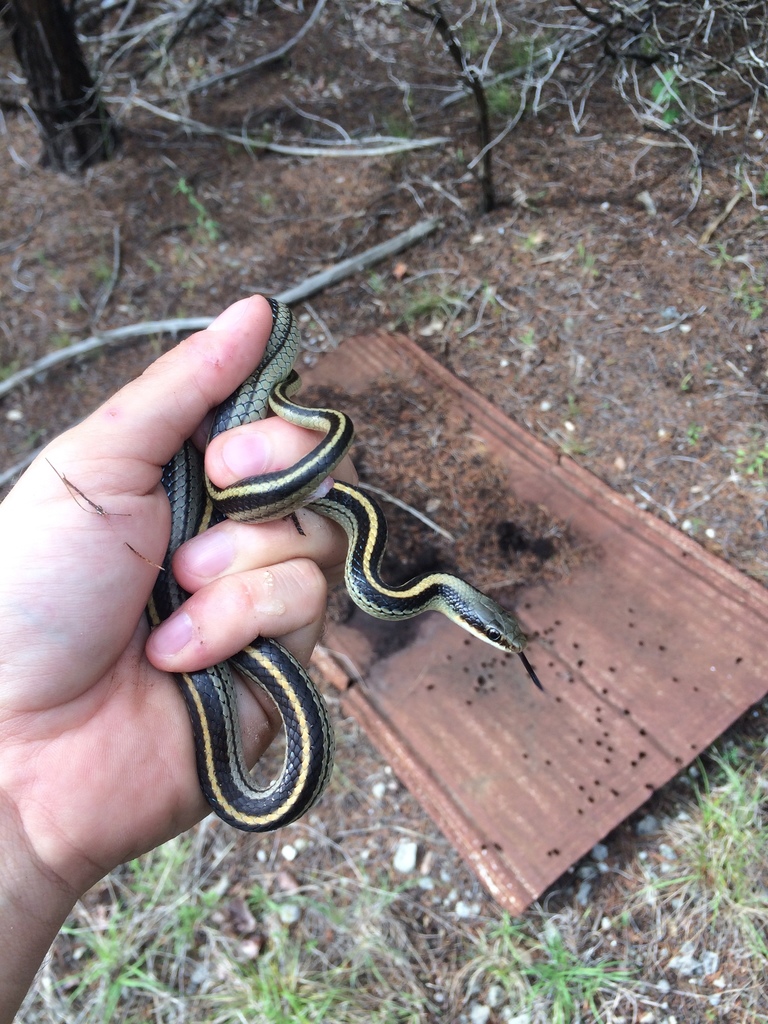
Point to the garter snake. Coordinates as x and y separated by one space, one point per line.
197 504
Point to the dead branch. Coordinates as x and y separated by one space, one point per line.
312 285
374 146
473 78
267 58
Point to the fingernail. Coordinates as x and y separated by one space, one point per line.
247 454
173 635
231 316
209 554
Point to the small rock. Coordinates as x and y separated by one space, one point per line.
663 986
289 852
582 896
289 913
647 825
479 1014
405 856
378 789
599 852
710 961
684 962
667 852
495 996
465 910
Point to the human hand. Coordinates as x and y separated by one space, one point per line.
96 751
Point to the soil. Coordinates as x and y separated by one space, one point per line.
584 305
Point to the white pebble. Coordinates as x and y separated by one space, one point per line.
545 406
495 996
709 532
569 426
289 852
14 415
465 910
405 856
289 913
378 789
479 1014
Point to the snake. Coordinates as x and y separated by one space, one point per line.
197 504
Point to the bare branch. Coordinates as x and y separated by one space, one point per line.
267 58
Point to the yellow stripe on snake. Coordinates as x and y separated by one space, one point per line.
197 504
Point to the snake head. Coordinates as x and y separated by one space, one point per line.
490 622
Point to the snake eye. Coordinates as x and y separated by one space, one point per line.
493 635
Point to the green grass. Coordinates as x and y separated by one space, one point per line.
540 970
204 224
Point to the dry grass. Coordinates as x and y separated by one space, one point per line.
224 928
217 927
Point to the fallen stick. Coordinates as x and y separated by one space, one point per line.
312 285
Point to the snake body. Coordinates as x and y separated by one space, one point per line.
196 503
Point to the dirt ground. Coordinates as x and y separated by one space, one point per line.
585 305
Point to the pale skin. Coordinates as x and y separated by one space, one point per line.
96 752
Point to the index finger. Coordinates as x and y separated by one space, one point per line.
149 418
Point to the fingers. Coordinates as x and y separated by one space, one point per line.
238 547
149 418
286 601
263 447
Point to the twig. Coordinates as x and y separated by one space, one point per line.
18 242
721 218
311 286
376 146
472 77
267 58
76 493
106 292
407 508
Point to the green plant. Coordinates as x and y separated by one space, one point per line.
203 222
376 283
541 972
8 369
751 296
693 433
587 259
723 851
753 460
686 383
503 99
666 98
426 302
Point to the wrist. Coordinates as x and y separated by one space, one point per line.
34 903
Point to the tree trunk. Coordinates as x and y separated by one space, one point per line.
75 127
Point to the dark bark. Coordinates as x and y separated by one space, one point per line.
75 126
